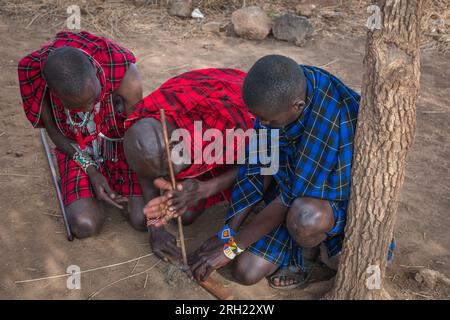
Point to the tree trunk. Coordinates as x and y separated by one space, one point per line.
384 134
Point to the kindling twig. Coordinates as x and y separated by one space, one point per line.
84 271
176 68
329 63
174 184
52 215
128 277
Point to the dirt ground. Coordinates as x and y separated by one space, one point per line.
32 237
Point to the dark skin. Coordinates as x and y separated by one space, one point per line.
189 192
86 216
308 220
153 174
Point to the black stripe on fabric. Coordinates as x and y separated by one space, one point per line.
175 97
225 104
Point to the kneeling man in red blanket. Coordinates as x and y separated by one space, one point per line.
79 88
206 120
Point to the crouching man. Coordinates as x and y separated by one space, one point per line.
198 105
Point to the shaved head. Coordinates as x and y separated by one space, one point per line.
144 147
67 70
72 76
273 83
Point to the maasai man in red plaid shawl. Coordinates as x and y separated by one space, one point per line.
196 103
79 87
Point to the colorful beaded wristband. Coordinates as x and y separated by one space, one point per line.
84 160
234 247
226 233
228 252
231 250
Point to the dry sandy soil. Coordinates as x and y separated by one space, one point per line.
32 237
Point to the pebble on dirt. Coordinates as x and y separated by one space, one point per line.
305 10
330 14
251 23
213 27
180 8
292 28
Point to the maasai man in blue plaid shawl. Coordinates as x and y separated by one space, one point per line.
306 199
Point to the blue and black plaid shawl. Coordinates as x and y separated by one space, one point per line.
315 151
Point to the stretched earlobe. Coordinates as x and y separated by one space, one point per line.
299 104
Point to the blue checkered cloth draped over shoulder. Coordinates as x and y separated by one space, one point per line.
315 152
315 156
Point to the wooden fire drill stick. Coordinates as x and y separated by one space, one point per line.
212 286
174 184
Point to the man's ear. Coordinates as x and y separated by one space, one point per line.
299 104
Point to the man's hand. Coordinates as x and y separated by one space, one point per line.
209 245
208 262
102 189
156 212
164 245
174 203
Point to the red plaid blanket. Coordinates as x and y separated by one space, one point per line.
211 96
112 62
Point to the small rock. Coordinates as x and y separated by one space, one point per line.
9 152
208 46
330 14
213 27
18 154
305 10
180 8
251 23
292 28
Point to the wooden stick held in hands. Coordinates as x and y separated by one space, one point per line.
212 286
174 183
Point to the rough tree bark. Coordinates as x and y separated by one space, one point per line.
384 134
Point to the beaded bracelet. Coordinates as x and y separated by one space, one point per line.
226 233
84 160
231 249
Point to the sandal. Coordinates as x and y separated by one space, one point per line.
317 272
288 273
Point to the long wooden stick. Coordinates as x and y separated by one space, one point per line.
174 184
212 286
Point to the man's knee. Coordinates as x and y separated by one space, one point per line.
245 276
189 217
309 217
136 213
86 218
138 221
249 269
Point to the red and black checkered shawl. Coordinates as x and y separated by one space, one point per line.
212 96
112 62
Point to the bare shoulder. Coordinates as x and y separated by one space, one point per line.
130 88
